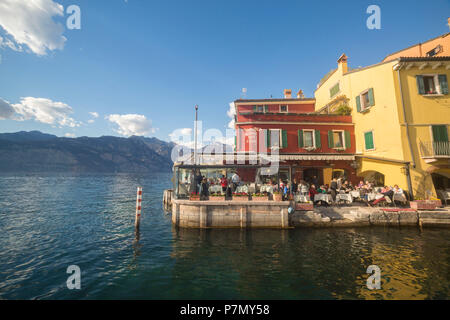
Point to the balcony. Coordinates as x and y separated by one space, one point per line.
434 150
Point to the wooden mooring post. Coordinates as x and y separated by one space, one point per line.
137 222
167 197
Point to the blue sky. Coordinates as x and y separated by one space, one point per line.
157 59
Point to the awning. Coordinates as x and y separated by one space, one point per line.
316 157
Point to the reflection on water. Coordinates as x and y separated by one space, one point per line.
50 222
317 264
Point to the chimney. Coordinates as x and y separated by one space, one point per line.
300 94
287 93
342 63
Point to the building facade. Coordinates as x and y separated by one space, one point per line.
314 147
401 111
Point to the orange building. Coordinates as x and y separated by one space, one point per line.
439 46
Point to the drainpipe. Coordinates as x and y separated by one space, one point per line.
408 176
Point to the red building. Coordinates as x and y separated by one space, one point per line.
309 144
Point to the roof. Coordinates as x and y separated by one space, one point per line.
275 100
420 59
441 36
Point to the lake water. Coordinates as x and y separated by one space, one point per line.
48 222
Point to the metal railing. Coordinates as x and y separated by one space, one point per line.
434 149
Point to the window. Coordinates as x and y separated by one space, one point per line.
368 140
283 108
434 51
432 84
334 90
260 108
276 138
439 133
308 138
365 100
338 139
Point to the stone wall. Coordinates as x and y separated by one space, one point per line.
230 214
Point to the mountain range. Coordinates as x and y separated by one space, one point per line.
40 152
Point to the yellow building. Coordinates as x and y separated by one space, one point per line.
401 112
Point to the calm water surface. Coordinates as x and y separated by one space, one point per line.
48 222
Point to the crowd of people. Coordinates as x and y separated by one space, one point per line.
339 185
201 185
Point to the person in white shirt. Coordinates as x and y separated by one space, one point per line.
397 190
236 180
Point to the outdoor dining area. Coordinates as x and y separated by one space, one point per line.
245 182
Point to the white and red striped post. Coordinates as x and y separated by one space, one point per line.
138 207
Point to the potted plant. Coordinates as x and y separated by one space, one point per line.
216 197
260 197
277 196
240 196
194 196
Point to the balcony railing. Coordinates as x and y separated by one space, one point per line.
435 149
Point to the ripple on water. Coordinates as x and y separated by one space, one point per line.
88 220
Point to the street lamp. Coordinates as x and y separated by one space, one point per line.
195 135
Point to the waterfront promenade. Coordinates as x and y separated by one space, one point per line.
280 214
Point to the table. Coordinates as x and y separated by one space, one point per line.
374 196
345 197
241 189
301 198
355 194
323 197
400 197
215 188
266 188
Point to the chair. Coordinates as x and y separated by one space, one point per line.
444 195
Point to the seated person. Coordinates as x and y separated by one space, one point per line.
387 192
397 190
312 192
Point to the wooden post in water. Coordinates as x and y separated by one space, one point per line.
138 207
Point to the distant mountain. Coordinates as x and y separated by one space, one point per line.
39 152
27 136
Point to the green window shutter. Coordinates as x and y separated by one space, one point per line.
368 139
358 103
317 136
300 138
266 108
443 83
330 139
284 138
235 143
268 138
254 108
348 142
439 133
371 97
420 85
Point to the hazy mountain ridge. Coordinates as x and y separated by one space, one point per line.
38 152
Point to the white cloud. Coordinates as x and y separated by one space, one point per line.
69 135
91 121
45 111
31 23
94 114
231 113
131 124
6 110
